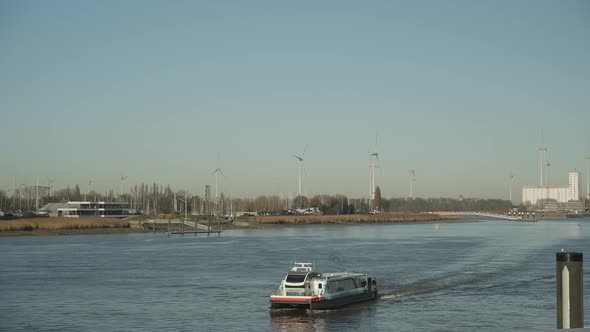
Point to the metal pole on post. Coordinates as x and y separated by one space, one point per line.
570 289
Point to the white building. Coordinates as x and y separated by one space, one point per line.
574 186
561 194
94 209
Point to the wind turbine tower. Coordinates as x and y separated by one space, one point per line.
300 161
542 150
412 179
216 172
122 179
373 157
89 184
49 185
548 165
511 177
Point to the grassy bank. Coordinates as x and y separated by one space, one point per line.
391 217
60 224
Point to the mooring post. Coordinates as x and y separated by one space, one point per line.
168 225
570 289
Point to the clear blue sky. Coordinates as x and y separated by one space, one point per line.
457 90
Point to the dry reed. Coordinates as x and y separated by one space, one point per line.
56 224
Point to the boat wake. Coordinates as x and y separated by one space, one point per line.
490 282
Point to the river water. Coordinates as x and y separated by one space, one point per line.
490 275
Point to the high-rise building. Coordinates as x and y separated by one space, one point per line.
573 192
560 194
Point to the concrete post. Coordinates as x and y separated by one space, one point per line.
570 289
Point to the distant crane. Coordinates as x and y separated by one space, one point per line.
412 175
300 166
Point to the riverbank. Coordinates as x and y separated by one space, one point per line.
61 225
381 218
72 226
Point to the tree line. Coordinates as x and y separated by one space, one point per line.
158 199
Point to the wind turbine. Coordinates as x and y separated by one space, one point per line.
49 185
548 165
300 159
412 175
511 177
373 157
89 184
542 150
122 179
216 172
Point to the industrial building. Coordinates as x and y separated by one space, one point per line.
560 194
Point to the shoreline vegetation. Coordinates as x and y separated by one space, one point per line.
70 226
61 225
389 217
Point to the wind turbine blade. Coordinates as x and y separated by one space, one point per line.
220 171
306 145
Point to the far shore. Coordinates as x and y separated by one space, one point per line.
73 226
389 217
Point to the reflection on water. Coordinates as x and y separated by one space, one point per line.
290 319
317 320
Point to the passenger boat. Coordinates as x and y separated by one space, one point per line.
305 288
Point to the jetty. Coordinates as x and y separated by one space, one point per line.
484 214
177 226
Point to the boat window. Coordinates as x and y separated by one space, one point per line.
341 285
295 277
363 283
320 286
